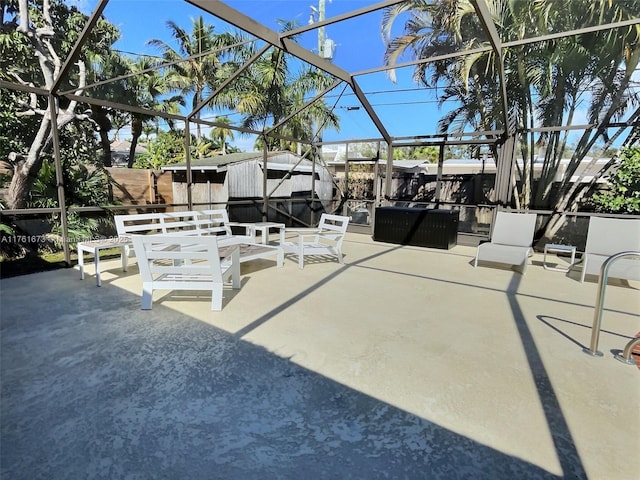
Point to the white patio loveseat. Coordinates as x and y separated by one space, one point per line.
185 262
199 223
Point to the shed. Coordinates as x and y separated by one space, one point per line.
239 176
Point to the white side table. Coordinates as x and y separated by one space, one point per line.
95 246
555 248
262 227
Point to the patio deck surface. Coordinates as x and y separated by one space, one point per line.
405 362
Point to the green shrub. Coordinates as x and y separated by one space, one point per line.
623 195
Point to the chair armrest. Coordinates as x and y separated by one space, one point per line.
332 236
328 237
296 231
301 230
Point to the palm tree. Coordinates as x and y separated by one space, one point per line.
546 81
149 90
102 66
205 56
270 92
220 134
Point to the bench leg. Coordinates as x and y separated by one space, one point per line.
81 262
216 297
147 295
301 254
235 269
124 257
96 261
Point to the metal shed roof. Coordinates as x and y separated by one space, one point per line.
221 162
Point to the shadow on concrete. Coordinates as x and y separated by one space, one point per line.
91 391
564 444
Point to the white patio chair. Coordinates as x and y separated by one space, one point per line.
171 262
511 240
324 240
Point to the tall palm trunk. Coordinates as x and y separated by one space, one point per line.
136 132
99 115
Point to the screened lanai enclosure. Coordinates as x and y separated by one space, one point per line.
464 105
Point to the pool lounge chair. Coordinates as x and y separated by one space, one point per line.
511 240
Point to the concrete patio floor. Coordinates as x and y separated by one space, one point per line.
403 363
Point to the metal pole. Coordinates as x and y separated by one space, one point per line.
321 36
314 157
187 153
265 197
389 174
376 181
597 315
59 178
345 207
439 174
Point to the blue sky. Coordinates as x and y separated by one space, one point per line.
359 47
403 109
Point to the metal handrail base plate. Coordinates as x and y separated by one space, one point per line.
621 358
592 353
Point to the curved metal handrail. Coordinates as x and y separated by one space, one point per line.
597 315
625 356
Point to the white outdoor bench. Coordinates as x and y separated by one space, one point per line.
199 223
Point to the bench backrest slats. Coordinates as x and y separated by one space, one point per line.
174 255
334 223
203 222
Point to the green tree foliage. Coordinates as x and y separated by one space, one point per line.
547 83
150 89
427 153
274 88
84 178
15 131
208 59
35 39
166 148
85 182
623 195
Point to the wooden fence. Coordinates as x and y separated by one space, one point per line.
140 187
